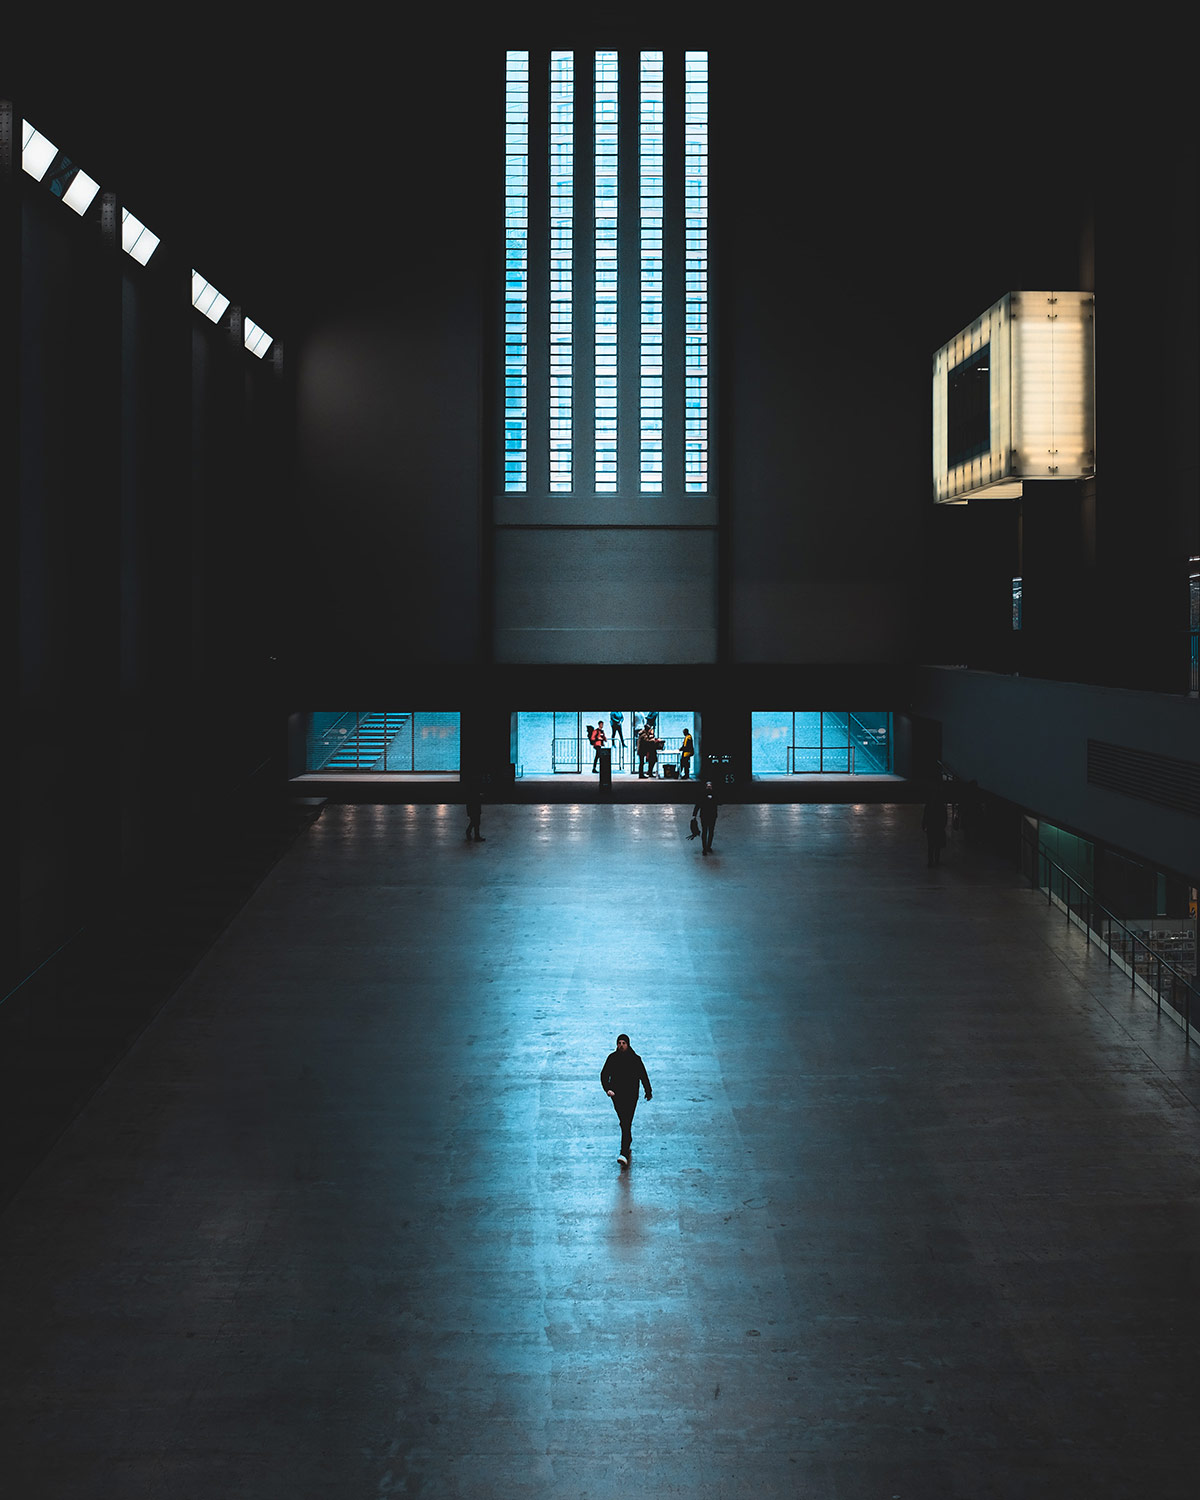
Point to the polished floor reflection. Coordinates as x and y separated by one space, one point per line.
913 1211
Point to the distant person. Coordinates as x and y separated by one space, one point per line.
474 812
616 721
706 811
933 821
652 747
598 742
642 740
621 1076
686 751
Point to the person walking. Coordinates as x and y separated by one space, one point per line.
620 1078
706 811
598 741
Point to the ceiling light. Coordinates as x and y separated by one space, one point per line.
136 239
81 191
207 299
36 151
257 341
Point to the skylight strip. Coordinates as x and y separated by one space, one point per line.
696 271
650 172
562 209
606 206
516 272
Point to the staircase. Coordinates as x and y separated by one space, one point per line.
364 745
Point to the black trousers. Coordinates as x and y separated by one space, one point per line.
625 1104
706 830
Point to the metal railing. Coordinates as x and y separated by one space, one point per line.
1148 970
572 754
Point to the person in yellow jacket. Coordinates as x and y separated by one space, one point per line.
686 751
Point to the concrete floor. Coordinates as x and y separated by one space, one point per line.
913 1211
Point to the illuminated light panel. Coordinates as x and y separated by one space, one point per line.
207 299
695 208
256 340
516 272
1036 416
605 123
562 208
36 151
136 239
37 155
650 186
80 193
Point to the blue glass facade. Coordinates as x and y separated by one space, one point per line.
821 742
385 740
556 743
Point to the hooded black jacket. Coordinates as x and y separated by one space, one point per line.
622 1072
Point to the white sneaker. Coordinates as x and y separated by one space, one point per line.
624 1160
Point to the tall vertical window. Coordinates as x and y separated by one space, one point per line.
516 272
562 208
650 181
696 230
607 359
607 122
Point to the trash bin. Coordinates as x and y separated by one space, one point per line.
606 769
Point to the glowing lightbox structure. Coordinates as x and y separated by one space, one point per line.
1014 398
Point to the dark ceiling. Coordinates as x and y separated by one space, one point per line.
292 156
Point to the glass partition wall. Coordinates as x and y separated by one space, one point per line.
839 742
556 743
387 740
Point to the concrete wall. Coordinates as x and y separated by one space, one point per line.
1026 740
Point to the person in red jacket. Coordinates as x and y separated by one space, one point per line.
599 739
621 1077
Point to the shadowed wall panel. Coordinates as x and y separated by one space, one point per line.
596 595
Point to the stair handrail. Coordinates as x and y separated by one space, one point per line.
1181 979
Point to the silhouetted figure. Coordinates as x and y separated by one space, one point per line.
706 811
620 1077
474 812
686 751
598 739
616 720
643 740
933 821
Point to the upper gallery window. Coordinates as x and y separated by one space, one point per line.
606 273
